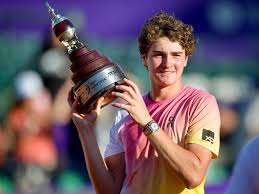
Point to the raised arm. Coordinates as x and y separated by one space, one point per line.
106 176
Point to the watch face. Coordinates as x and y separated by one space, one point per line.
154 126
151 127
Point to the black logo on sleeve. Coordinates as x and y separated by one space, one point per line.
208 135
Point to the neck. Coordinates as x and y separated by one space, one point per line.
158 93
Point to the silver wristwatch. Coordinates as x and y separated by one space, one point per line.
151 127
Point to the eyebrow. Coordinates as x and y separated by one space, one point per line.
175 52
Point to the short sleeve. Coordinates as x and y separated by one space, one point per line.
115 145
204 125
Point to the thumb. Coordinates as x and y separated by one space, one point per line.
96 111
99 105
77 116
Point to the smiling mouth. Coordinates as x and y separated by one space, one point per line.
166 71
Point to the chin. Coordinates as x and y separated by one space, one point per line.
167 80
164 81
167 83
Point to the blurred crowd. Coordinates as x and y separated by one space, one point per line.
40 150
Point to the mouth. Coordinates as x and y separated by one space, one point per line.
167 71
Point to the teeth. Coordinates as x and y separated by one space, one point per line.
166 72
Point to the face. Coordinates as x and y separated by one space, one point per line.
165 62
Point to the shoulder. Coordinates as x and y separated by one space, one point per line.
198 97
245 176
198 93
248 156
253 143
250 149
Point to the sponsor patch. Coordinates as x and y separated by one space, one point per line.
208 135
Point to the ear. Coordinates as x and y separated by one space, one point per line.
144 60
186 61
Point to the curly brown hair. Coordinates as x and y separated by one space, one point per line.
165 25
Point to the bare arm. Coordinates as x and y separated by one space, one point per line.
106 176
189 163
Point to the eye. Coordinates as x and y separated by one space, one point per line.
177 56
157 55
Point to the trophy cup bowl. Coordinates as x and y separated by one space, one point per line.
93 75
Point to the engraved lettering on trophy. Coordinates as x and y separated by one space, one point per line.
95 83
112 73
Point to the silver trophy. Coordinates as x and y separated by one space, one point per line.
93 75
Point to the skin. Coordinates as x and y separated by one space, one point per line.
165 62
106 176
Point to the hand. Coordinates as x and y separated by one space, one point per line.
81 119
135 104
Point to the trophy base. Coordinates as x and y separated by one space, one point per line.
106 93
99 84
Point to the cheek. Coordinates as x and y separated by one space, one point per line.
153 64
179 64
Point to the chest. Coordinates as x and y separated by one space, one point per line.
174 121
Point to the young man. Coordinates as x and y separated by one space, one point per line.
163 142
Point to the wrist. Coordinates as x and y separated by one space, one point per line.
86 134
151 127
145 122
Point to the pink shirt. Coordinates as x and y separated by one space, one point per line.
190 117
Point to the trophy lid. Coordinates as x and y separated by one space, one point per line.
55 19
64 30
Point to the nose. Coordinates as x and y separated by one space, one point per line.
167 61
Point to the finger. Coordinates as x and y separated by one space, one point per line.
120 105
96 111
127 89
77 116
133 85
75 105
99 105
122 96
